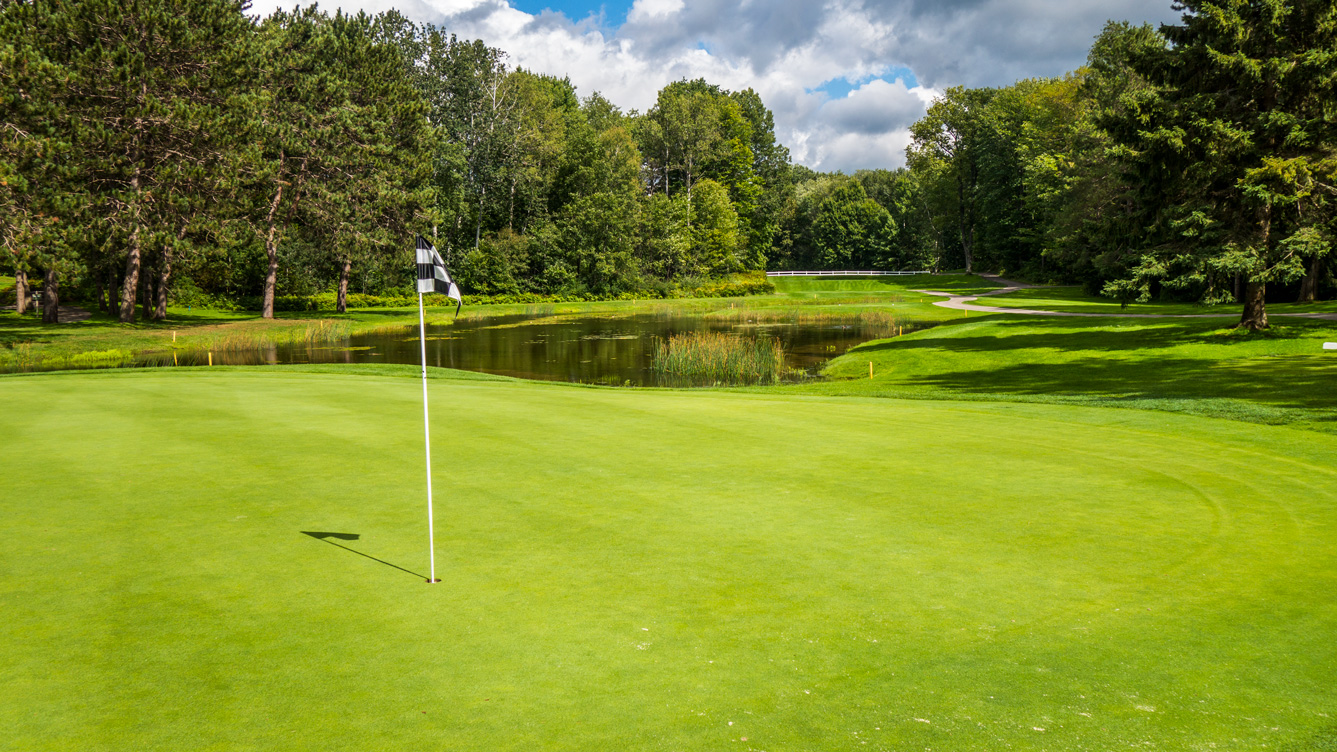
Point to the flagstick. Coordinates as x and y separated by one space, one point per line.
427 439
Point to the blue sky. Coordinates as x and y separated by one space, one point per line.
614 13
844 78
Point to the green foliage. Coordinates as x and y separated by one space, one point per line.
853 232
275 159
1197 163
716 244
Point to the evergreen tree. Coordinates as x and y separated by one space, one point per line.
1244 135
151 110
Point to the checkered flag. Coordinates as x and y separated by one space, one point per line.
433 275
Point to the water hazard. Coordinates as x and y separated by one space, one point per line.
584 349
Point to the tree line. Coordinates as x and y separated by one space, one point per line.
155 151
1194 162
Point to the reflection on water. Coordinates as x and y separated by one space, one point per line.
594 350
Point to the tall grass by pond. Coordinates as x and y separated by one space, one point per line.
710 358
877 323
189 350
315 333
22 358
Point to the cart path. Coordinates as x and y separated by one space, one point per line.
963 303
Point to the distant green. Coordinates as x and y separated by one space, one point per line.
650 569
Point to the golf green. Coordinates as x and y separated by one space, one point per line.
645 569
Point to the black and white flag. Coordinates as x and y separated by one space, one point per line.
433 275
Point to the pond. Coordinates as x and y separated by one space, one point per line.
583 349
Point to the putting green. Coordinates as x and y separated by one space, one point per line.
641 569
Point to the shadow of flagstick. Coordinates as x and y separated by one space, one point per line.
325 537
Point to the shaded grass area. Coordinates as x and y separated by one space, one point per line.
1074 300
1281 375
651 569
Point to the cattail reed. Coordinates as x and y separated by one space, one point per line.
716 358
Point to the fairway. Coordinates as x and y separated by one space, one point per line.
651 569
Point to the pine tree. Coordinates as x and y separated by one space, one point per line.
40 196
149 106
1241 142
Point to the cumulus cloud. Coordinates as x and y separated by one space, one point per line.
790 51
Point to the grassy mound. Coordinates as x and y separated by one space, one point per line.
645 569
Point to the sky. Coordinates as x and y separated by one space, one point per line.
844 78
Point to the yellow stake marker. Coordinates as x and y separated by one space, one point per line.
211 357
174 359
870 369
173 336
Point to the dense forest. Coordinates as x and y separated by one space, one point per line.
160 152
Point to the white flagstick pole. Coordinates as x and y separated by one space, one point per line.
427 439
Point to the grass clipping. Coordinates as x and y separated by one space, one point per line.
718 358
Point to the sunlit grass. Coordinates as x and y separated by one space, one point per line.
650 569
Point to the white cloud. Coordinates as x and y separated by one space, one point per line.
645 10
869 127
785 49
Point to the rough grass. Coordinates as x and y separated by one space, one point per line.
719 358
651 569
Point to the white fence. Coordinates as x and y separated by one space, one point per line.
844 274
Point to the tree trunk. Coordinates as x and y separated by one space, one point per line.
111 292
342 305
131 285
145 292
478 224
967 232
98 294
1239 288
1309 286
51 297
164 274
272 250
130 288
1255 307
21 291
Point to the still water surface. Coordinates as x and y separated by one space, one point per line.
593 350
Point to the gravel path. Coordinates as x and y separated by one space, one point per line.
963 303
